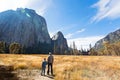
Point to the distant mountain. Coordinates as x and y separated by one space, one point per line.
59 43
111 38
25 27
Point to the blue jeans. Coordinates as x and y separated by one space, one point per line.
43 71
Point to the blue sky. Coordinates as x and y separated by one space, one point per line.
82 21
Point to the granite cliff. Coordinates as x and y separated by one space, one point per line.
25 27
59 43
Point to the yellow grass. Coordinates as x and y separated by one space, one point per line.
70 67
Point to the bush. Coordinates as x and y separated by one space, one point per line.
93 52
15 48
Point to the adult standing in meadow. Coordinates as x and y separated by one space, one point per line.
50 63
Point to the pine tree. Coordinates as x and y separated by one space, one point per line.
2 47
75 51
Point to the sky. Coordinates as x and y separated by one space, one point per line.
81 21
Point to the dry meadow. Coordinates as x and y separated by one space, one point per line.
69 67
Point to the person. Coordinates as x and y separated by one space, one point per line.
50 63
44 63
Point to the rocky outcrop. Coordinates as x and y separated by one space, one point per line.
111 38
26 27
59 43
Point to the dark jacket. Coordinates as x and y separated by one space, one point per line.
50 59
44 63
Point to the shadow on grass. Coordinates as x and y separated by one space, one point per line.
50 76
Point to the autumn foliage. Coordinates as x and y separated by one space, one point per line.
108 49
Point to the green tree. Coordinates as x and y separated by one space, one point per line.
15 48
2 47
74 49
93 52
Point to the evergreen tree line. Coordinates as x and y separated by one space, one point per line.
16 48
107 49
74 51
12 48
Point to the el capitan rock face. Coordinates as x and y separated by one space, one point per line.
59 43
26 27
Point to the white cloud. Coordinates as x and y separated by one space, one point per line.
67 28
70 35
84 41
107 9
52 33
11 4
39 5
82 30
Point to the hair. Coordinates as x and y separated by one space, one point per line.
44 58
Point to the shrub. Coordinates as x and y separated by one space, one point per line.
15 48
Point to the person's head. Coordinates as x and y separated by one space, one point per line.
50 53
44 59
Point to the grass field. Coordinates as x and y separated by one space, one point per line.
70 67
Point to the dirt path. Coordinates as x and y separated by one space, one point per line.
32 75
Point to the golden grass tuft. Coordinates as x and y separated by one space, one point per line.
22 65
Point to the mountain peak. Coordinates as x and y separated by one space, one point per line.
25 10
58 35
61 43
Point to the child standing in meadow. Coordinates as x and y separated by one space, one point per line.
44 63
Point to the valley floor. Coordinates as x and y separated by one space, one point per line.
66 67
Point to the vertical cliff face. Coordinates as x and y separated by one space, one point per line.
59 43
111 38
24 26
